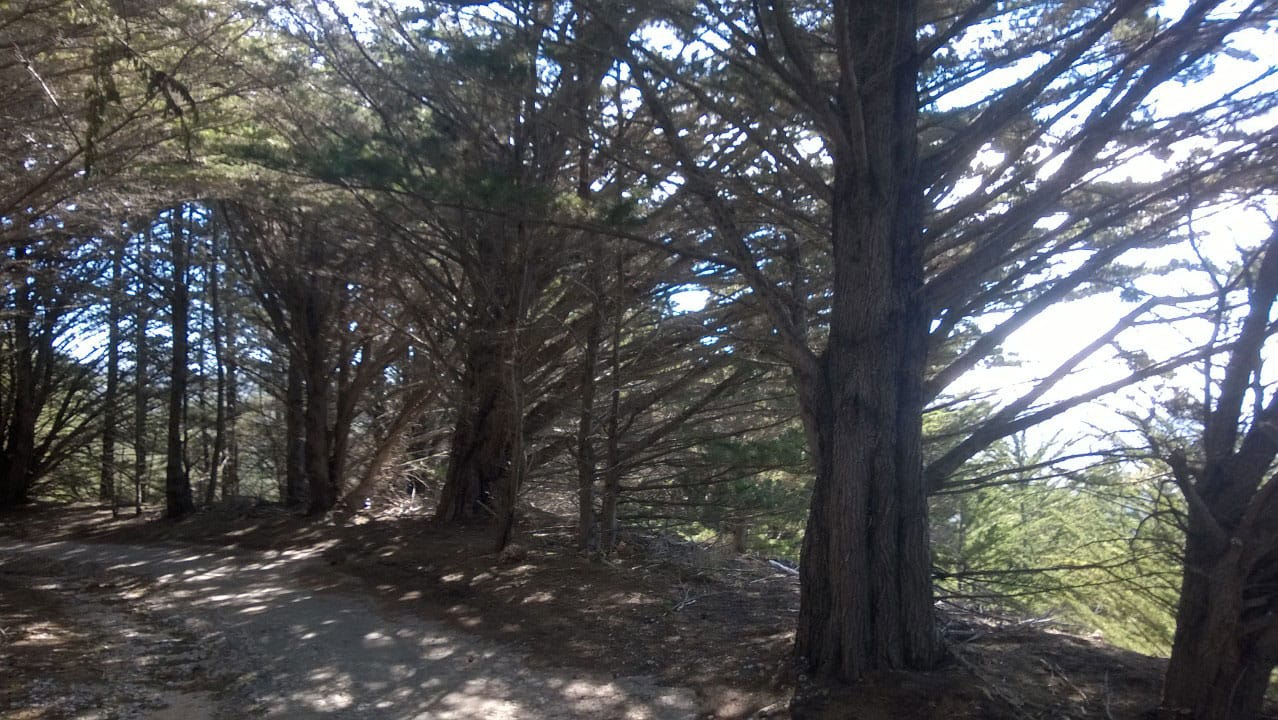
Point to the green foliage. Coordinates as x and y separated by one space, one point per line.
768 492
1087 547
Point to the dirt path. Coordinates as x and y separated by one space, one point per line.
269 635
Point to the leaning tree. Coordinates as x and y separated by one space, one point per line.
1219 446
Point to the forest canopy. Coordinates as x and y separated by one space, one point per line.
955 303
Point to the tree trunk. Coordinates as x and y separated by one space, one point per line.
587 463
866 593
231 472
17 457
518 473
1226 642
612 469
317 363
217 457
295 493
319 480
179 501
740 537
1220 664
480 456
587 467
110 402
141 388
866 596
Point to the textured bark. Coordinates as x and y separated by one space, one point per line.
866 594
1219 670
295 491
480 454
319 480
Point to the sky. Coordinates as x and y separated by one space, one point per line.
1222 231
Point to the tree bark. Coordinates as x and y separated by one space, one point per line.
295 491
587 466
179 501
319 480
1220 667
866 594
612 461
480 454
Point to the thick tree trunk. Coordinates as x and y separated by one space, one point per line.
18 457
479 460
179 501
587 466
1221 658
295 492
319 480
866 594
17 460
317 370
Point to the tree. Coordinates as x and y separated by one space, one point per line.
107 490
911 259
496 107
1080 536
141 303
49 405
178 499
1226 641
307 270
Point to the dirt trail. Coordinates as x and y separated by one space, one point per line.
280 634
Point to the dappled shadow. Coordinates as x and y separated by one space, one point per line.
716 622
308 649
396 618
645 616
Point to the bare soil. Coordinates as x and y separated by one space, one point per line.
674 629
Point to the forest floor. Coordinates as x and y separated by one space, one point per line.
249 611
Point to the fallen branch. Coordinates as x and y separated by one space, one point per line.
783 567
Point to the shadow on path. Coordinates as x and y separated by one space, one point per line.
312 649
